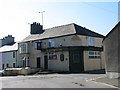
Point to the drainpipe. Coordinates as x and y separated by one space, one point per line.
16 58
101 60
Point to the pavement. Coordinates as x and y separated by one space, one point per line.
110 81
53 81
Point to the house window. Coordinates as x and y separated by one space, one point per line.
2 66
90 41
94 54
28 63
13 65
52 56
23 48
13 54
38 45
7 65
51 42
25 61
61 57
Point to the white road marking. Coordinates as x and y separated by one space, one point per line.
93 80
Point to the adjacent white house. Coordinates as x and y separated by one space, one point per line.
9 56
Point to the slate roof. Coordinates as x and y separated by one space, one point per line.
7 48
64 30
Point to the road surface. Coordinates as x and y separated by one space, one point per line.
53 81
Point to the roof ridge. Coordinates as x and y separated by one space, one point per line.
59 26
63 30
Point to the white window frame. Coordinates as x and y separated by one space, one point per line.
25 61
23 48
94 54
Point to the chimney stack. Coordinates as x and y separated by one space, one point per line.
36 28
7 40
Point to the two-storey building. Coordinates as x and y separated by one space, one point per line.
63 48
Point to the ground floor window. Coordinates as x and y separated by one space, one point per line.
61 57
7 65
94 54
13 65
28 64
2 66
52 56
25 61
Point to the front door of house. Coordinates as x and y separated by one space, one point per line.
45 62
76 61
38 62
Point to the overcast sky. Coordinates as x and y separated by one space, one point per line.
15 15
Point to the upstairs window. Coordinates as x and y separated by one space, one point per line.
23 48
90 41
51 42
94 54
38 45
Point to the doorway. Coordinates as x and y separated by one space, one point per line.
76 61
45 62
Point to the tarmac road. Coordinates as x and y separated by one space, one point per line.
54 81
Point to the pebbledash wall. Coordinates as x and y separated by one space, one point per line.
98 63
57 65
78 54
71 41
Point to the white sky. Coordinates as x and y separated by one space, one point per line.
16 14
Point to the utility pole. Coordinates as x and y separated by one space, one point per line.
118 11
42 15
